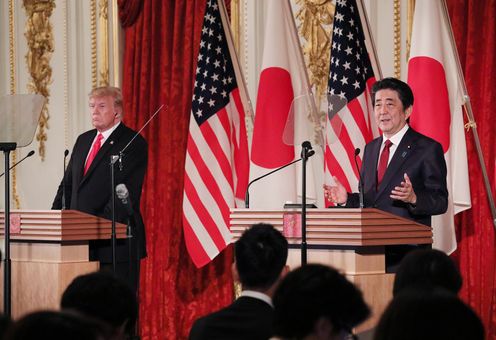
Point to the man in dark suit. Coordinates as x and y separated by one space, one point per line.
403 171
87 180
260 263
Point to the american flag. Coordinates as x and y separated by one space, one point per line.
350 122
217 162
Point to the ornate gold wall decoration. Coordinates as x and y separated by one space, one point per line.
103 44
12 69
397 38
94 78
315 24
40 48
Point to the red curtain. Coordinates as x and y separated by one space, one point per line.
159 62
474 27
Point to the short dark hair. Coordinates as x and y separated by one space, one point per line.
427 267
428 314
104 296
261 254
57 325
403 89
314 291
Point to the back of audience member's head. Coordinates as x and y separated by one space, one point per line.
317 300
58 326
103 296
260 254
429 314
425 268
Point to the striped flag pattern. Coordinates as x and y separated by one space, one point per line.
350 122
217 161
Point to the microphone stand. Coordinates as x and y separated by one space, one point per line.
306 152
7 148
113 160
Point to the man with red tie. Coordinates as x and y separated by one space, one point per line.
87 178
403 171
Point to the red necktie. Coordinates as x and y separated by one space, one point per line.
383 162
93 152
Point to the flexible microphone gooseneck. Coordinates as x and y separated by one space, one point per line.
15 164
247 194
360 179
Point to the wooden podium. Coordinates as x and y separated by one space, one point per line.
351 240
48 249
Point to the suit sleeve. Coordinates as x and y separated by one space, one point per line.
431 189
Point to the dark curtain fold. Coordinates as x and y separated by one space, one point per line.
129 10
474 27
159 64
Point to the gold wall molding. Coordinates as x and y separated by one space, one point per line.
315 25
397 38
103 43
40 42
94 79
12 88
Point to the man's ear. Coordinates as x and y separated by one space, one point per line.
408 111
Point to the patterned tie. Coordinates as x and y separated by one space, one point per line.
383 161
93 152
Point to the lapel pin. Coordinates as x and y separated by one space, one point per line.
111 142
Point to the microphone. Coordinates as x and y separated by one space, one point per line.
123 194
66 152
306 152
15 164
360 179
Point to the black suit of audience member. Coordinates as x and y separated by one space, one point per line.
91 192
105 297
260 258
317 302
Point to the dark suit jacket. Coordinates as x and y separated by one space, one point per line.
246 318
91 193
422 159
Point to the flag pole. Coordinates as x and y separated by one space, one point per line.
470 116
245 98
301 62
368 37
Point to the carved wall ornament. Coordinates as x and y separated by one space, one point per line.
40 42
314 22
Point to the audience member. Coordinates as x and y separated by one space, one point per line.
58 326
103 296
430 268
317 302
260 262
428 314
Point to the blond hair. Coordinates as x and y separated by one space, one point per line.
111 91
